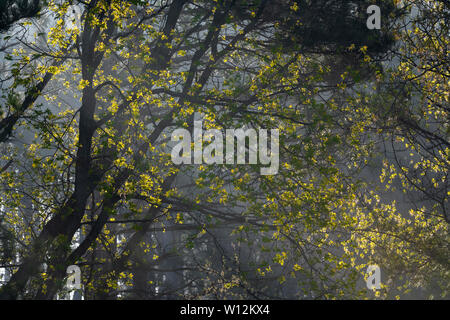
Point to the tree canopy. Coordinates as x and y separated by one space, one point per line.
92 91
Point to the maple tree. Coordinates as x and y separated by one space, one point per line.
92 95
